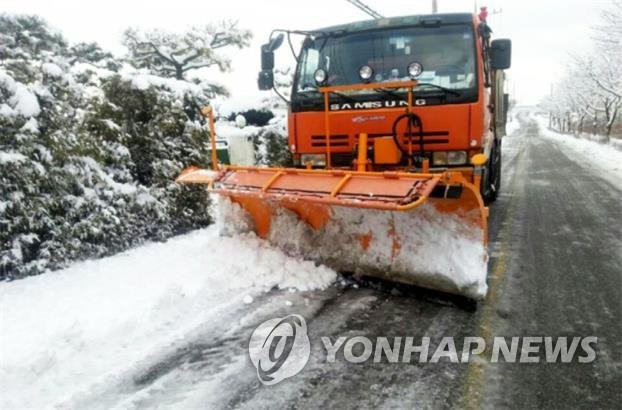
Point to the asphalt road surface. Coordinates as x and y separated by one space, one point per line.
555 270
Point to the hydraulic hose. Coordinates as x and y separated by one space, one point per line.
413 120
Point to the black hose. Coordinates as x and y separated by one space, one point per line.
413 120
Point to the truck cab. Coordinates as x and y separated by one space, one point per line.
443 70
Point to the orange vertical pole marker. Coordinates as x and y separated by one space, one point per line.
361 161
327 128
410 109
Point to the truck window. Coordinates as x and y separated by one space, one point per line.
447 54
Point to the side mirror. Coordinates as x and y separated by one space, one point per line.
266 76
267 52
501 54
276 42
267 58
265 81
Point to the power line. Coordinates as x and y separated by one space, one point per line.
362 6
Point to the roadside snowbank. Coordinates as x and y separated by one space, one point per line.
603 157
67 331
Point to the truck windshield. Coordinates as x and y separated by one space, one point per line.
445 52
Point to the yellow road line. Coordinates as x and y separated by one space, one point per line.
476 374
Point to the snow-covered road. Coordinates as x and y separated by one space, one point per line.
167 325
67 332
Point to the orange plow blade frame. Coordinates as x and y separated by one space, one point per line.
387 191
318 197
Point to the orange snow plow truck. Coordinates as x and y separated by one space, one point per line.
395 127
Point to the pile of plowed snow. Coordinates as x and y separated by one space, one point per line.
66 331
423 247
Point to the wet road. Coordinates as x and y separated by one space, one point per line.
555 270
559 274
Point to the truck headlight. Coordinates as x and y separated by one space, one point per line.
439 158
316 160
456 157
449 158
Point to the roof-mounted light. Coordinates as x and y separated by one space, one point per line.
366 73
320 76
414 70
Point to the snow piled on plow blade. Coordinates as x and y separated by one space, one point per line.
423 247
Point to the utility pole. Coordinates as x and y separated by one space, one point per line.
434 7
364 7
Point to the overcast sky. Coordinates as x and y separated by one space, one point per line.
543 32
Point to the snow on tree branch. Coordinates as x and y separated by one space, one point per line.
174 54
589 96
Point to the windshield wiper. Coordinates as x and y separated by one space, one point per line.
439 87
315 89
390 93
402 97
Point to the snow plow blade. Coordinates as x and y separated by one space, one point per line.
423 229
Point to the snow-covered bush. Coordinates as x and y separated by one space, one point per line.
89 150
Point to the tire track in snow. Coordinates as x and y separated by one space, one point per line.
200 356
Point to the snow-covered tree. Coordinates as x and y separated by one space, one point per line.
24 38
92 53
591 90
174 55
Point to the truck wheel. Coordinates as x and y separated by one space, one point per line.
492 175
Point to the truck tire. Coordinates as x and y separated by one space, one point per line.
491 183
